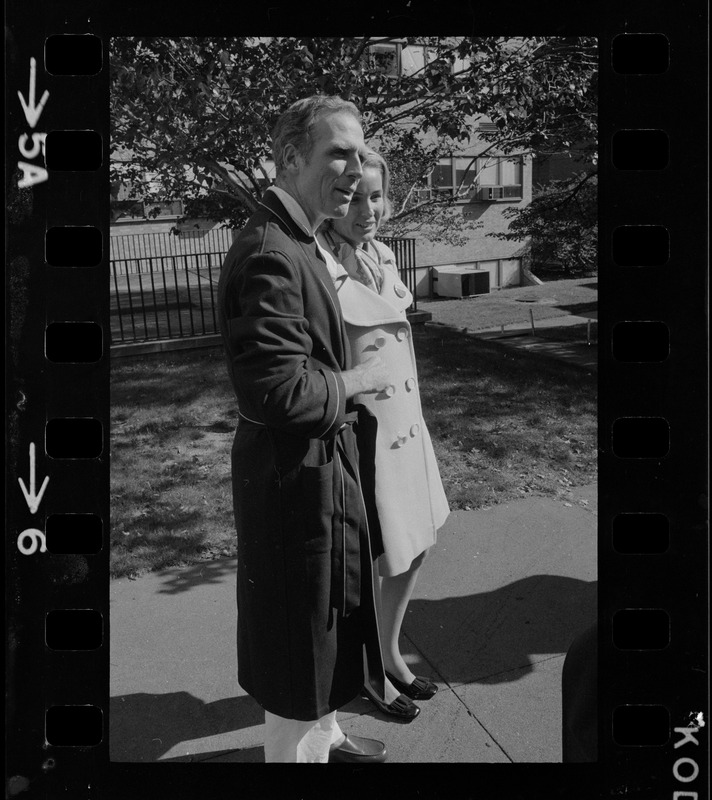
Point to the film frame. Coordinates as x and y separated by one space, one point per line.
652 413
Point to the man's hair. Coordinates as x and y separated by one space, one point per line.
295 124
374 159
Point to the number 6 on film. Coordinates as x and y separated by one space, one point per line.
37 538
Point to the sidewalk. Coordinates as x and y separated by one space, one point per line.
499 600
519 336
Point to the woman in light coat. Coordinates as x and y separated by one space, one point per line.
410 498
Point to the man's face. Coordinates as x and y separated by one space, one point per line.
325 180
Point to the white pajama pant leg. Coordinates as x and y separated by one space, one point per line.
295 741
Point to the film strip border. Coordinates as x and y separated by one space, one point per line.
653 607
651 637
652 617
57 400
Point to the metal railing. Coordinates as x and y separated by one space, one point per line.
158 295
404 251
164 297
135 248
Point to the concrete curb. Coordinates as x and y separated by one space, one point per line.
577 355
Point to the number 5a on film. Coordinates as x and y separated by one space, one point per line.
32 173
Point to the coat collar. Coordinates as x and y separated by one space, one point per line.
271 201
362 306
293 208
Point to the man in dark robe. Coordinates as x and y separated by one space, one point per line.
306 530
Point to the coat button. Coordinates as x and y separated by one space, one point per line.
401 439
410 384
402 333
414 429
400 290
380 341
389 391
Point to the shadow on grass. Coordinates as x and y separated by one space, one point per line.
493 385
503 422
173 379
157 545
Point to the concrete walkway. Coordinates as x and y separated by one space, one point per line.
497 604
520 337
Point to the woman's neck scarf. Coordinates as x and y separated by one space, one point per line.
361 263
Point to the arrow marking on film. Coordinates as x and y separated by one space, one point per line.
32 111
33 500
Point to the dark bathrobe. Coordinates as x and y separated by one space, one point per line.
306 527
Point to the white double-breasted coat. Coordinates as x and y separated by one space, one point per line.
410 497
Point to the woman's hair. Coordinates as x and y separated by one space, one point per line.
295 124
374 159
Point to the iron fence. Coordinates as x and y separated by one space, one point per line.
164 297
133 251
404 251
167 290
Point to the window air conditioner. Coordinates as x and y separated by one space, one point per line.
490 193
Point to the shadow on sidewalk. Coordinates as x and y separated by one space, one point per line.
496 637
183 579
145 726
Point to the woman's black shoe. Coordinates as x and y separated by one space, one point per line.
401 707
420 689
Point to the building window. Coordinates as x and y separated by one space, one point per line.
495 178
461 65
441 178
465 173
396 58
172 208
126 210
414 57
385 58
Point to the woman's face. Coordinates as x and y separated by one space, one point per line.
365 211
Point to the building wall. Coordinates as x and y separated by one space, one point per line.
479 245
480 250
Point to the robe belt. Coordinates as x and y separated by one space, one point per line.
349 529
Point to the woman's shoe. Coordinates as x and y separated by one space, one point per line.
402 708
420 689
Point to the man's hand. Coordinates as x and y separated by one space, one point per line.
369 376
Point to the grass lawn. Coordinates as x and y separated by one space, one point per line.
504 425
577 296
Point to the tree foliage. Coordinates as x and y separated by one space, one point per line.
195 114
561 223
